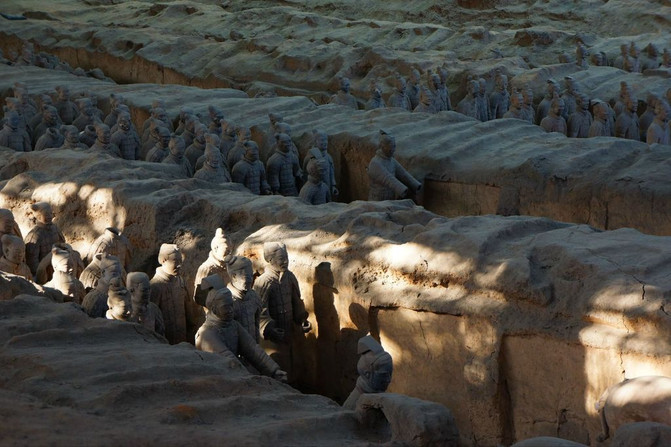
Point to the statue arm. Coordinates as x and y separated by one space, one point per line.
238 174
254 354
405 177
267 325
273 172
265 187
378 174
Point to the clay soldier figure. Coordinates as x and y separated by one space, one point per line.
50 119
246 302
104 143
64 279
176 155
168 292
444 93
499 100
12 136
284 128
413 88
51 138
158 118
632 64
27 105
283 308
160 150
569 96
238 151
375 101
315 191
212 170
399 97
648 116
215 264
216 115
555 122
13 105
45 270
111 242
250 171
375 367
118 301
13 257
344 97
227 140
92 273
115 101
42 236
516 104
45 100
190 122
125 139
281 168
581 120
320 151
469 105
88 137
184 114
437 102
581 55
71 138
274 119
624 54
86 115
658 132
197 148
95 301
426 99
484 106
8 225
544 106
222 334
388 179
599 127
626 125
67 109
143 311
528 109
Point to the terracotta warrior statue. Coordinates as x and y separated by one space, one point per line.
237 152
169 293
426 99
8 225
213 169
49 119
115 101
626 124
143 311
222 334
95 301
444 92
227 138
50 139
569 95
196 150
645 120
282 169
599 127
215 264
42 236
283 310
499 99
621 98
14 256
388 179
320 151
64 279
246 302
93 271
45 271
176 155
250 171
375 101
71 138
118 301
160 149
315 191
104 143
111 242
413 87
516 106
12 136
13 105
67 109
544 106
554 121
375 368
528 111
88 137
580 121
469 105
658 132
399 97
484 105
436 101
86 114
125 139
344 97
216 115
